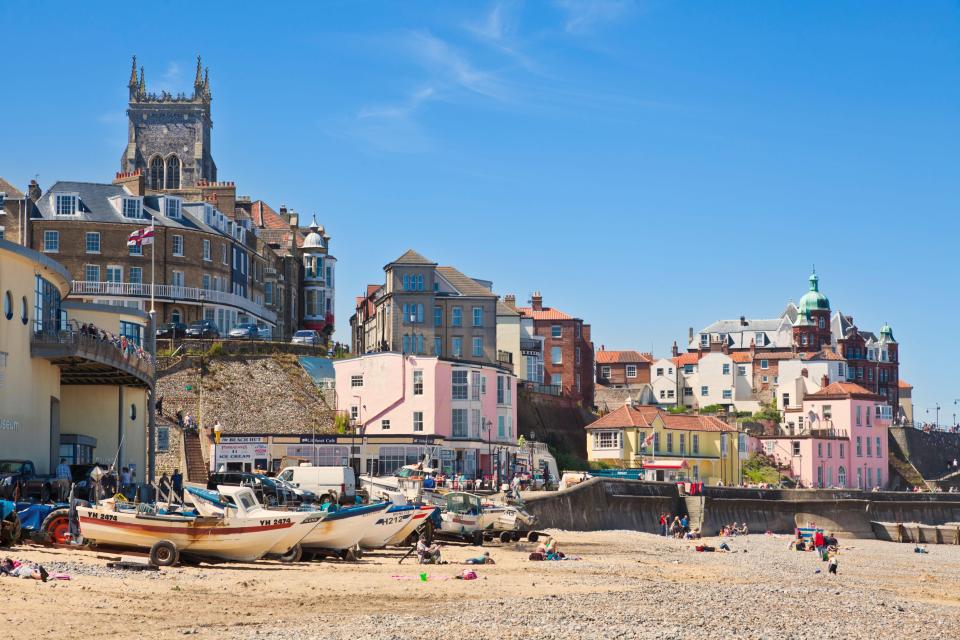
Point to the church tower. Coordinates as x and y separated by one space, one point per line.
168 136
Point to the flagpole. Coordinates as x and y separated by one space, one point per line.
153 264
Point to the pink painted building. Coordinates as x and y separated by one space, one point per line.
843 442
403 405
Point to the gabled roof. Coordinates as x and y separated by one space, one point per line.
412 257
626 416
823 354
621 357
547 313
464 284
691 357
12 192
266 218
504 310
904 385
643 417
844 390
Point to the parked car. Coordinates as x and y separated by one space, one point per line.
264 332
332 484
268 491
247 331
306 336
203 329
22 474
172 330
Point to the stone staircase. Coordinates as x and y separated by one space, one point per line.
196 467
694 508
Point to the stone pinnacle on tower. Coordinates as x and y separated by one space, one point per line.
132 85
198 80
206 84
142 86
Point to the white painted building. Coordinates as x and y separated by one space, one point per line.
663 381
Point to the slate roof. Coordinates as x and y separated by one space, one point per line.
412 257
504 310
464 284
12 192
94 206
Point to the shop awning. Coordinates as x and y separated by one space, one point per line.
665 464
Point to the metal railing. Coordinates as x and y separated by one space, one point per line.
171 292
50 343
548 389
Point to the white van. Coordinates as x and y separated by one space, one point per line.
336 484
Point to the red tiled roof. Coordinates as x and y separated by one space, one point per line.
547 313
643 416
626 416
694 423
619 357
265 217
823 354
691 357
843 389
904 385
740 356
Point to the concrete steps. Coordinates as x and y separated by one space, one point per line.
193 451
694 508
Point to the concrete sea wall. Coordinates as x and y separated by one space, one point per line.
629 504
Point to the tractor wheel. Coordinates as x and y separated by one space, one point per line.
293 555
10 530
505 537
57 526
517 536
477 538
533 536
164 553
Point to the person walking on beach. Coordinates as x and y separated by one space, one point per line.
663 524
176 483
63 479
819 544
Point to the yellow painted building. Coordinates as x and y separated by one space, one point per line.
64 393
669 447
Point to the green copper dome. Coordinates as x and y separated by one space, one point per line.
886 331
813 300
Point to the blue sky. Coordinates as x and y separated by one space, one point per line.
648 166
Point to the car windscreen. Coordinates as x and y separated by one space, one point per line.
11 467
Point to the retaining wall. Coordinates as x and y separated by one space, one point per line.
600 503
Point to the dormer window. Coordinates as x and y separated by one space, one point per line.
66 204
704 340
171 207
131 207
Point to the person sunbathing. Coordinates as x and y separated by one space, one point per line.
484 559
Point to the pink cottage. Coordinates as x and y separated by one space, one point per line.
842 440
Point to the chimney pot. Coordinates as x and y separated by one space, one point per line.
675 350
536 301
825 380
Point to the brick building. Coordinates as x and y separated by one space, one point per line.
225 258
622 368
568 352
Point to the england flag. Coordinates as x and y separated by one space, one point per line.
140 237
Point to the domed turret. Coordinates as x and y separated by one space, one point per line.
314 239
813 300
886 333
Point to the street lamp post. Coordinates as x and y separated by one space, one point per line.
217 430
203 328
489 426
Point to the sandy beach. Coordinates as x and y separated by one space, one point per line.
627 585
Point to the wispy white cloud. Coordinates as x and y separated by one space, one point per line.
584 16
452 68
402 110
498 30
170 79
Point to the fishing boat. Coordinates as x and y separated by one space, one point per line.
243 531
405 485
423 515
343 528
388 524
917 533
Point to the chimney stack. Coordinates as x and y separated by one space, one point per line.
33 191
824 381
753 349
690 334
676 350
132 180
536 301
510 301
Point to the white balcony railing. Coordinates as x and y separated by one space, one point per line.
172 293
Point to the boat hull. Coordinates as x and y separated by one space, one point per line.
343 529
208 537
420 517
387 525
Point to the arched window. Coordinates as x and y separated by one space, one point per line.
175 316
842 476
156 173
173 172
